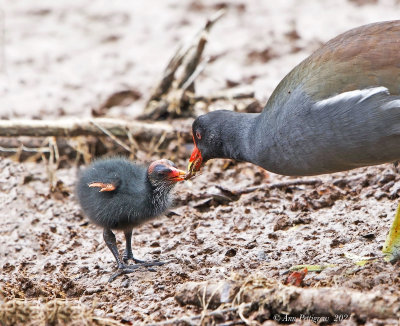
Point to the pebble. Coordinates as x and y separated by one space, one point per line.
125 283
261 255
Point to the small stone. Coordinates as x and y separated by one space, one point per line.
380 194
272 236
251 245
261 255
368 236
155 244
125 283
386 178
92 290
231 252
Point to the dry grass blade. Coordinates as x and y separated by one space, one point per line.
54 312
109 134
154 147
133 143
206 304
81 147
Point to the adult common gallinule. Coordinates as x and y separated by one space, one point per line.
337 110
119 195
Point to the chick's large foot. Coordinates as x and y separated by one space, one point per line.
124 269
127 269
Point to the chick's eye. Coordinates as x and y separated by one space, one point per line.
198 134
161 169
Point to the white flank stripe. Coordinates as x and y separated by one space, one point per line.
359 94
391 105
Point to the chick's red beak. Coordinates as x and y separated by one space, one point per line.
176 174
195 161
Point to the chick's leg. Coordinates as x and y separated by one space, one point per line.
128 249
111 242
129 255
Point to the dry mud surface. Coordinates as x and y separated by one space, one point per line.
48 250
61 59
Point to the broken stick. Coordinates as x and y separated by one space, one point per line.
173 92
291 300
84 127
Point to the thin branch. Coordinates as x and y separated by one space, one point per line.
199 69
84 127
281 185
25 149
227 195
189 320
292 300
193 61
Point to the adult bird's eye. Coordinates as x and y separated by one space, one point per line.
198 134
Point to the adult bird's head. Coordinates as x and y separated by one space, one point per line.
207 131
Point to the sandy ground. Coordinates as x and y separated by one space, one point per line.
64 59
48 250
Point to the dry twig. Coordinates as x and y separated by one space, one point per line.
219 313
83 127
174 92
281 185
291 300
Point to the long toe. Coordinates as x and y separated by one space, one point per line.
127 269
142 262
150 264
153 263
